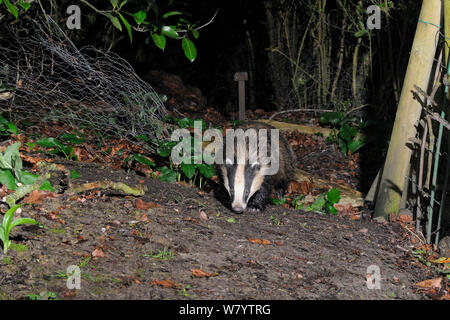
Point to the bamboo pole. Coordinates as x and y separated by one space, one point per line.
409 110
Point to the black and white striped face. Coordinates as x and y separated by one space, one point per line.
242 181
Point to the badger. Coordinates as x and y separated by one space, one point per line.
249 177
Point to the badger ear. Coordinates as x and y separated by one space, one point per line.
228 161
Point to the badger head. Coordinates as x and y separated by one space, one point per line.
242 181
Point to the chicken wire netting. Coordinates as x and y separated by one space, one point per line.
43 76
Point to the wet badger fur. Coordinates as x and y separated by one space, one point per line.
247 186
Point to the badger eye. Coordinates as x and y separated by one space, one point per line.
246 192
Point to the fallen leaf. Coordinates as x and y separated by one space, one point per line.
98 253
36 196
260 241
146 205
164 283
430 283
199 273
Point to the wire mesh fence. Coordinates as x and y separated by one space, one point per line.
45 77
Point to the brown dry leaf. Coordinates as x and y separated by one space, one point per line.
405 218
98 253
199 273
293 187
430 283
37 195
306 187
163 283
146 205
260 241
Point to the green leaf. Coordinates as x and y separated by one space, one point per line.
20 221
25 5
188 169
159 40
3 236
12 8
123 3
167 175
171 13
72 138
140 158
318 204
7 179
114 3
12 128
231 220
170 31
360 33
195 33
47 186
50 142
331 209
115 21
127 26
206 170
74 174
28 178
331 117
8 217
347 133
342 145
355 145
333 195
189 49
7 159
140 16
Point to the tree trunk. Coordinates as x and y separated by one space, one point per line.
408 113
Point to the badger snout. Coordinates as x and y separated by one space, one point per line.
238 209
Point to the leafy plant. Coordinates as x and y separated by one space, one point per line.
7 127
158 24
193 172
8 224
278 202
343 133
161 255
298 203
325 202
13 9
57 147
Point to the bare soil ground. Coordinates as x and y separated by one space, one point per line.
185 246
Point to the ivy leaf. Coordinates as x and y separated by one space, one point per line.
189 49
159 40
355 145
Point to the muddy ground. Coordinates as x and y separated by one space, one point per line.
128 253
